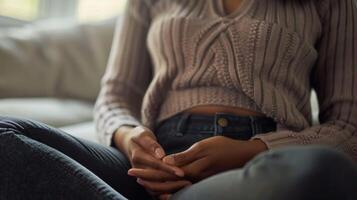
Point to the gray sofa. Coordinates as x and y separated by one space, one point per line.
51 71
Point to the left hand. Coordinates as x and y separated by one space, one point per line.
213 155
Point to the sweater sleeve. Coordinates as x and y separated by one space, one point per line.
128 73
335 80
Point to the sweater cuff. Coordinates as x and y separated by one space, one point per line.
278 139
115 124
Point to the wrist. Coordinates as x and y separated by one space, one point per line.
121 136
258 146
252 148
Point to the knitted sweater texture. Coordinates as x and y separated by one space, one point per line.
266 56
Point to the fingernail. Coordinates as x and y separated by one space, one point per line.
179 173
169 160
159 153
139 181
130 173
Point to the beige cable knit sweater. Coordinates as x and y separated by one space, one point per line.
171 55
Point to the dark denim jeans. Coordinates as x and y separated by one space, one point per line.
182 131
40 162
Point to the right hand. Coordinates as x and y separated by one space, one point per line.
140 146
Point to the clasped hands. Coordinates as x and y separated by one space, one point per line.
163 175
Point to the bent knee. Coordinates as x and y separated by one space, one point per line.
317 167
16 124
308 155
311 159
325 171
307 170
321 157
327 164
9 141
303 163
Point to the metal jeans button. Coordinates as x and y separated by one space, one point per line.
222 122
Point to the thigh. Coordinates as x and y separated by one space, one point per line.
32 170
107 163
291 173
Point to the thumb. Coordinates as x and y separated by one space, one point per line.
165 197
148 142
153 147
183 158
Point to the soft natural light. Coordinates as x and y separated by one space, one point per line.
20 9
89 10
86 10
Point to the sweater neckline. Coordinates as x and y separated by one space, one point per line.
241 10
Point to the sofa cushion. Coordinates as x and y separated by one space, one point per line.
54 112
54 59
84 130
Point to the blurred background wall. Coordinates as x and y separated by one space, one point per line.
76 10
53 54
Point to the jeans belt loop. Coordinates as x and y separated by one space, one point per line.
216 126
253 125
181 126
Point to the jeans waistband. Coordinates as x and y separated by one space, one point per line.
219 124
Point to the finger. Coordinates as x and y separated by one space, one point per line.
165 197
198 170
153 194
144 160
153 175
183 158
164 187
150 145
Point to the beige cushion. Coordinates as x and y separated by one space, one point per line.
64 60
